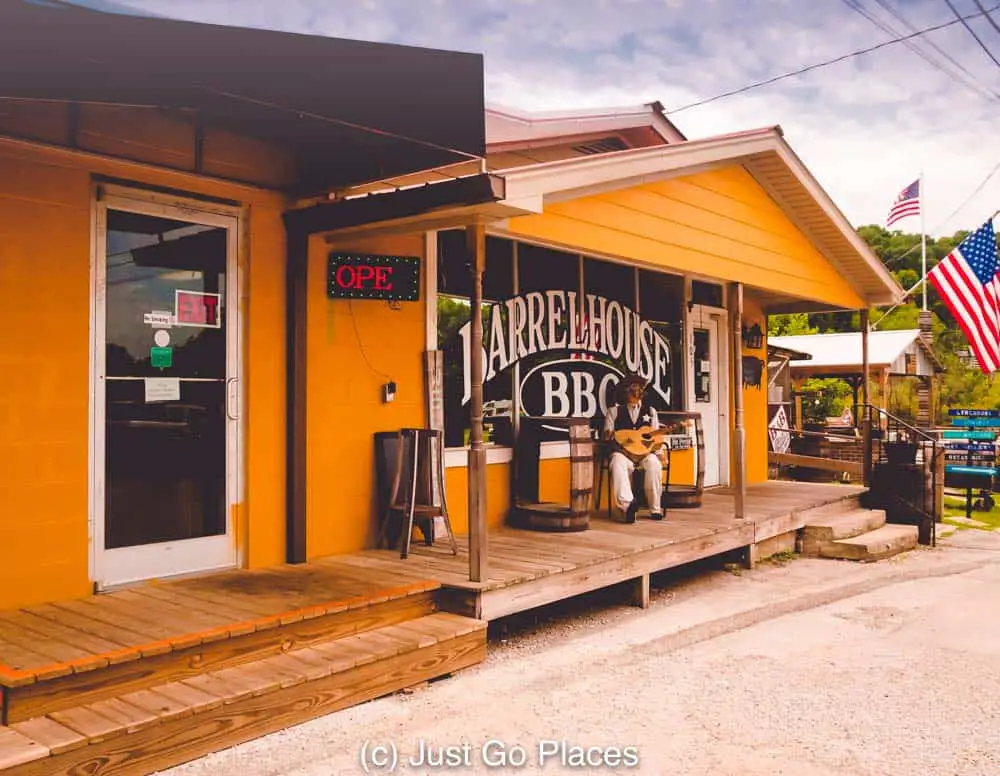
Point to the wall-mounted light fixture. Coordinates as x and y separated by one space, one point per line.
753 337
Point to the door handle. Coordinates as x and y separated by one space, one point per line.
233 398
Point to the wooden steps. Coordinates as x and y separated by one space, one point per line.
37 688
170 722
856 534
884 542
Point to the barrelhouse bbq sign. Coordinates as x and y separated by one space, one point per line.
554 321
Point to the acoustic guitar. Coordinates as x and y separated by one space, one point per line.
636 444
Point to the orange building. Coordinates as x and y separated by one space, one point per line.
148 277
201 341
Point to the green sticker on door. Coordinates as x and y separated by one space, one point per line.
161 358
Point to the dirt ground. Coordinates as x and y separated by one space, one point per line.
805 667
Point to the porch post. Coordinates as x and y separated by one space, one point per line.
296 308
476 245
866 426
735 307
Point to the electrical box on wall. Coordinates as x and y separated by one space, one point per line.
388 392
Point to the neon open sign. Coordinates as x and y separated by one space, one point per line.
357 276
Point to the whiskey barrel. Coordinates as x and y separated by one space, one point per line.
687 496
552 517
528 511
682 497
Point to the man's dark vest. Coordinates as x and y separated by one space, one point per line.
623 421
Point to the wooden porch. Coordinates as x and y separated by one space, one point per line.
149 677
528 568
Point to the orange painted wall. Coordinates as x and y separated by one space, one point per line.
497 495
720 224
755 400
354 347
45 240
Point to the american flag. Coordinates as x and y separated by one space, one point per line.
968 283
906 204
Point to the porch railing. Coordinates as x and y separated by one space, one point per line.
905 472
818 454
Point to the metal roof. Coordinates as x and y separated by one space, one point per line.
506 125
350 111
843 350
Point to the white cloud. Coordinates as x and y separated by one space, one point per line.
866 127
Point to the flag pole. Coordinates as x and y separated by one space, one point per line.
923 238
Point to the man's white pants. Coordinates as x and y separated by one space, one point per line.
621 469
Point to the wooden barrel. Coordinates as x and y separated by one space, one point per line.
528 510
551 517
678 496
581 471
683 497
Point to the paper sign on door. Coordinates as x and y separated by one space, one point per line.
163 389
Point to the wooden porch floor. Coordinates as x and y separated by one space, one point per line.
72 637
151 676
528 568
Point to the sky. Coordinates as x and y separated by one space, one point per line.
866 127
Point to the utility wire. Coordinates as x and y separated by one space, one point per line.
888 7
828 62
988 17
970 81
971 31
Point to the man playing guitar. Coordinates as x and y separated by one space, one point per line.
634 428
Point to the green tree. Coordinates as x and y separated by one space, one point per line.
961 384
789 324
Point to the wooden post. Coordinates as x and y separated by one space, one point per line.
296 308
866 425
476 245
640 591
736 370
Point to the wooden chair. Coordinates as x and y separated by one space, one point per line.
416 494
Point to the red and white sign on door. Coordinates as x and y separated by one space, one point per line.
196 308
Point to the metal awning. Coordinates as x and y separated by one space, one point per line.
350 111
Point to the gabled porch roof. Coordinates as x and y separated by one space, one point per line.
769 160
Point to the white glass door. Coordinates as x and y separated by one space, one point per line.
166 391
709 395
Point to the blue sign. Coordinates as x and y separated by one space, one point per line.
969 413
969 434
986 471
988 422
972 446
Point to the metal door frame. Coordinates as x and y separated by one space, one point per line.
119 566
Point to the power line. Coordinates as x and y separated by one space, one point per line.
972 81
989 18
972 32
856 6
828 62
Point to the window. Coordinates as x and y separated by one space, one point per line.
453 313
708 294
580 323
661 303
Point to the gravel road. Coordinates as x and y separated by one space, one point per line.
808 667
